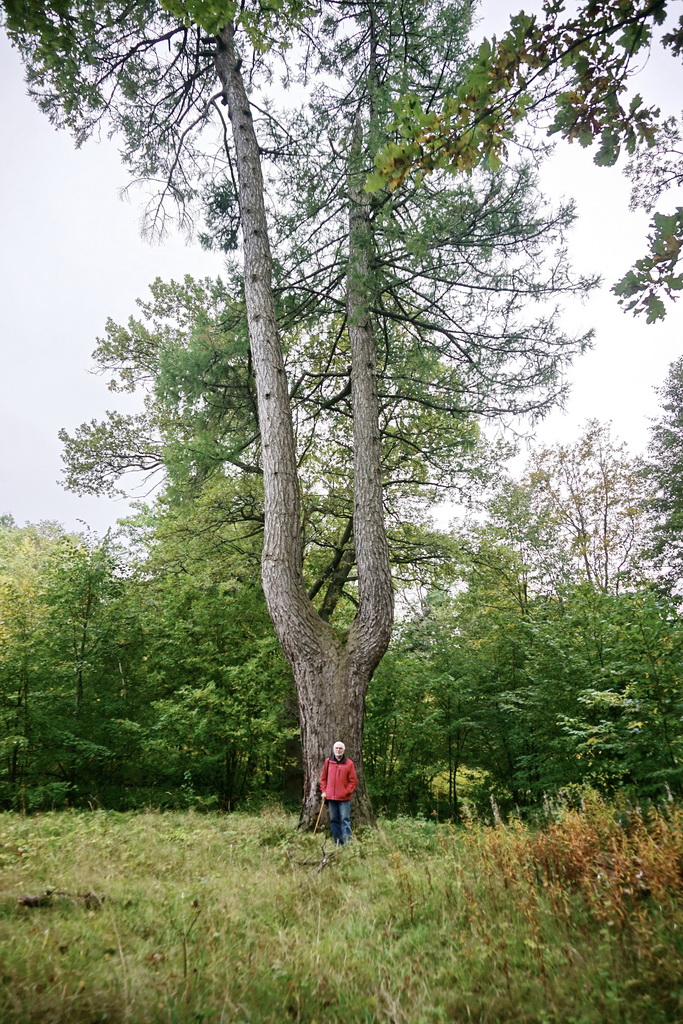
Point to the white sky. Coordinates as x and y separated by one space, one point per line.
615 381
72 255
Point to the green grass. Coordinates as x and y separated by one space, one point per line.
214 918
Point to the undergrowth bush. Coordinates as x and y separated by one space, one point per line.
185 917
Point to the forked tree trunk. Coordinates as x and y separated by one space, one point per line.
331 673
331 703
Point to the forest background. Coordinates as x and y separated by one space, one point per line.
539 644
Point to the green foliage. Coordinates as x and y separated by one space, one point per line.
223 705
146 71
555 664
199 393
265 24
665 472
656 273
627 730
573 70
59 597
123 688
587 67
485 698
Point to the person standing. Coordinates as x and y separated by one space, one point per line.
338 782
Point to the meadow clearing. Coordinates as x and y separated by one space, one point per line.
238 919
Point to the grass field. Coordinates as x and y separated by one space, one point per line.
183 917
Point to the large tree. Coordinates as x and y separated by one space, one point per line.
443 273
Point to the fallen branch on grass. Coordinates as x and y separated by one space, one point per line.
320 865
91 900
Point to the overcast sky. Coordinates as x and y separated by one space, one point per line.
72 255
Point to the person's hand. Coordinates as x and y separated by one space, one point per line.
324 796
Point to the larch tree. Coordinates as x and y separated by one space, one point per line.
443 273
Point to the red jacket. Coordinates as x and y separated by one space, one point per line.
338 779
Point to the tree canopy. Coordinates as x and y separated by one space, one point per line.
569 73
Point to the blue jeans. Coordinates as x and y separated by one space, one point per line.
340 820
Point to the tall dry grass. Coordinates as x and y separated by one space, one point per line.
181 917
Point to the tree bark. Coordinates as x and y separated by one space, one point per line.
331 672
